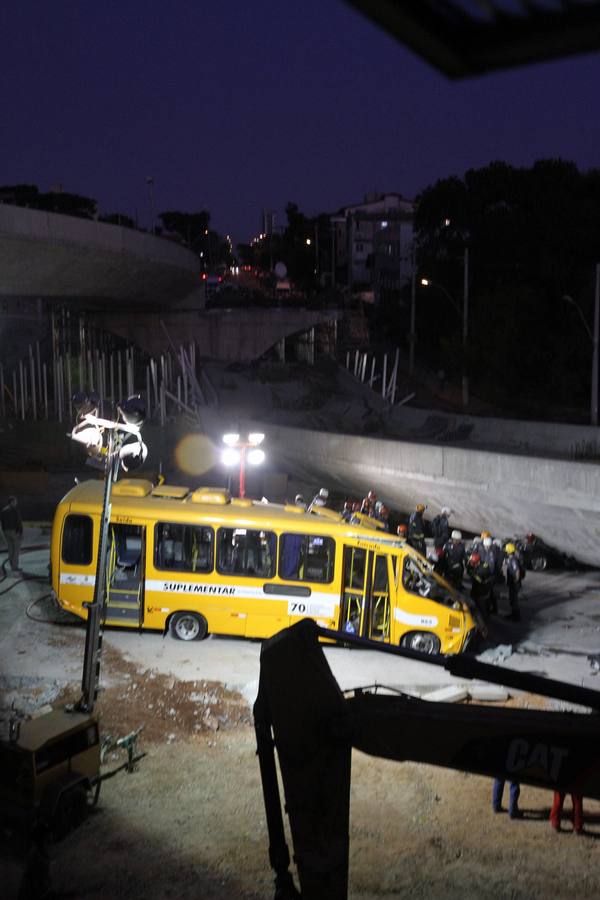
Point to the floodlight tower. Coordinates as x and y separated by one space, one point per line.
116 442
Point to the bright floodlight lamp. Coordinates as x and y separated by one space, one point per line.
425 282
231 439
85 403
132 410
255 438
256 456
90 435
133 452
230 457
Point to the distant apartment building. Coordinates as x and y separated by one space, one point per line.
373 245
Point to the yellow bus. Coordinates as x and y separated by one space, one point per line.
199 561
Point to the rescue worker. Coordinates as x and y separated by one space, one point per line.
12 526
416 529
454 553
486 551
497 556
481 578
300 501
514 576
368 504
439 561
383 515
557 809
347 510
402 531
440 527
513 799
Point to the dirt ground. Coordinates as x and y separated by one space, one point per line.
189 823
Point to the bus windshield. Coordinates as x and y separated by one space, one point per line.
419 578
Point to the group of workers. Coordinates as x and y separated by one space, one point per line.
486 561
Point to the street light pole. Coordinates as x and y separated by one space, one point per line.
594 410
413 312
465 331
243 470
593 336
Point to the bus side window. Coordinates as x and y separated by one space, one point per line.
77 540
245 551
306 557
183 548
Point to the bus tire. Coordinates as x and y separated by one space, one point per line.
423 641
188 626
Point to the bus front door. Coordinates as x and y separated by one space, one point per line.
365 608
125 575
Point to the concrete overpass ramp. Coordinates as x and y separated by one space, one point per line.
46 255
558 500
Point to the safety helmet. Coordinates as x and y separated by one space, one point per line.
299 500
456 535
420 507
401 529
487 542
485 534
446 511
475 558
510 548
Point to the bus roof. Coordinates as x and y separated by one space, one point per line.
135 498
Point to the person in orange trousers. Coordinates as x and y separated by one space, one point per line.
557 809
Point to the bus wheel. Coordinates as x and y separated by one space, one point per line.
424 641
188 626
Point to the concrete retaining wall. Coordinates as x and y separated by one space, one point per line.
508 493
519 436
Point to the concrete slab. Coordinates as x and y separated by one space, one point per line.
450 694
491 693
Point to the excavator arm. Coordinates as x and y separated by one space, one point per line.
301 713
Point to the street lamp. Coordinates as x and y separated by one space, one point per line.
593 336
150 183
426 282
238 452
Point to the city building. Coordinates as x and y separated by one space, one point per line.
373 243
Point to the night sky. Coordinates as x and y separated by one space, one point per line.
243 105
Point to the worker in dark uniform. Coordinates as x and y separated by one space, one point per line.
454 552
368 504
514 576
12 526
440 528
382 514
481 582
416 529
347 510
